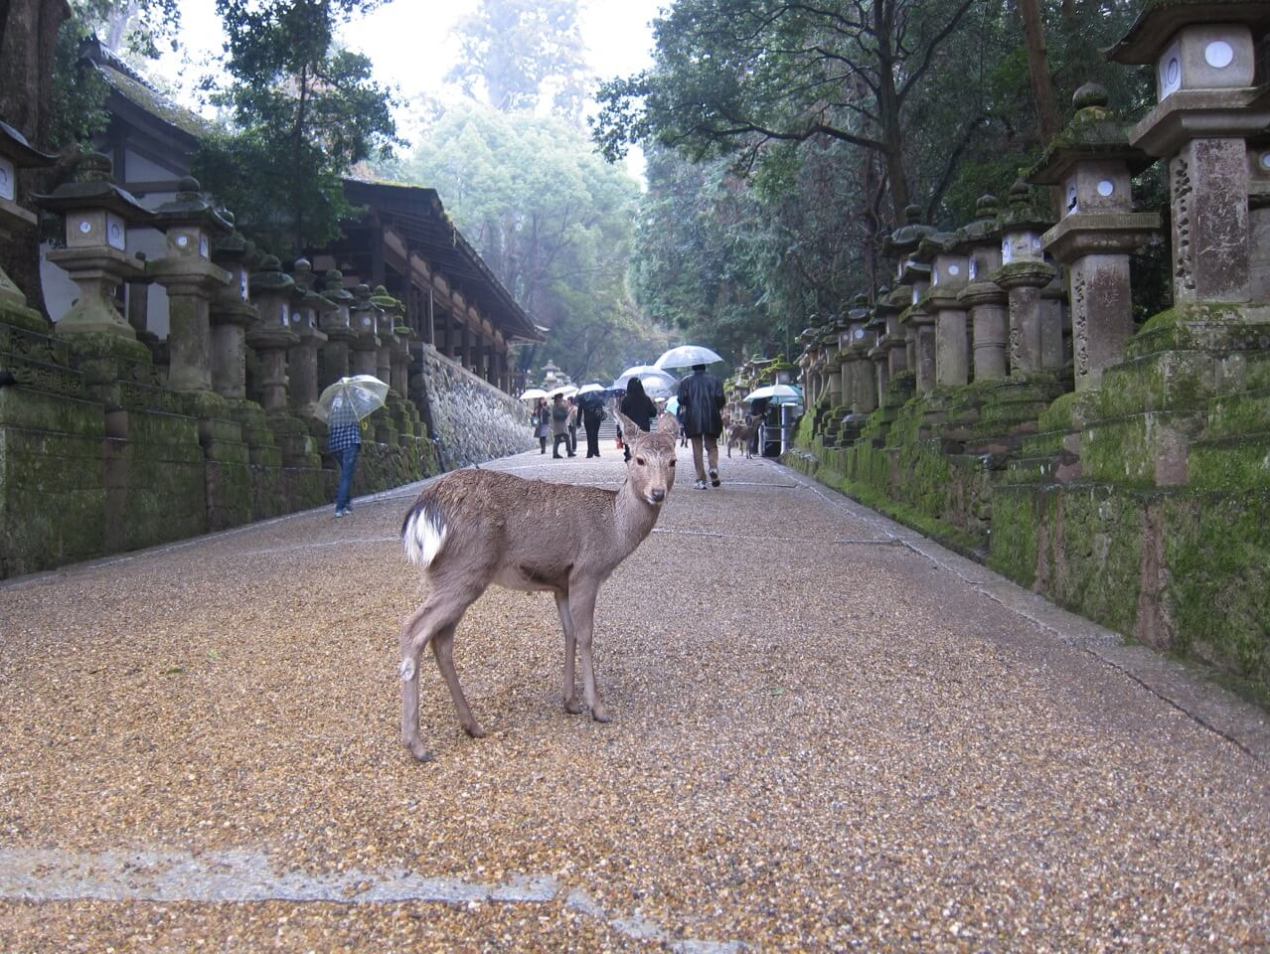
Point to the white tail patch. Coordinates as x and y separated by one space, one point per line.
424 536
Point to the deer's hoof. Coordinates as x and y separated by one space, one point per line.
573 707
420 753
599 714
474 730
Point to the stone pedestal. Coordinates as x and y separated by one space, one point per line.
272 336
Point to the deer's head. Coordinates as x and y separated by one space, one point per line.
651 469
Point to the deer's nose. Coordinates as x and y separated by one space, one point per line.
658 496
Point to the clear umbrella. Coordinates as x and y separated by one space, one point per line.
356 397
591 389
776 394
647 374
685 356
533 394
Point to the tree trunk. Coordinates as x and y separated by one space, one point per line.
1048 120
28 38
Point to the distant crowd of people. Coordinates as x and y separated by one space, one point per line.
700 417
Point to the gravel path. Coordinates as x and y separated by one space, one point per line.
826 736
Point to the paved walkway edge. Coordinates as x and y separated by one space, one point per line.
1184 686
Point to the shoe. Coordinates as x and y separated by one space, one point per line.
714 478
555 456
340 513
573 455
700 485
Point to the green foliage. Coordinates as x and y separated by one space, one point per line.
304 113
552 220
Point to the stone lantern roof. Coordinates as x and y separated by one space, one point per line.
983 230
15 147
190 207
91 188
1160 20
936 243
906 238
1025 210
1093 133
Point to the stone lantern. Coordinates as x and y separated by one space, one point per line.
829 347
1259 220
190 278
97 215
364 317
884 324
1091 163
335 324
386 329
949 267
1205 58
271 336
16 154
858 381
232 313
1035 330
980 242
302 357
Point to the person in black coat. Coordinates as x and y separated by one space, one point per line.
701 401
592 405
639 407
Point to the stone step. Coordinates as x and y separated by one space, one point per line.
1140 450
1234 415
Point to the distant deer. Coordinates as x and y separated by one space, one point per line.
739 434
477 527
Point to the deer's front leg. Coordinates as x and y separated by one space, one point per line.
570 696
582 610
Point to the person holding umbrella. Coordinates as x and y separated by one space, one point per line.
592 405
639 408
343 405
701 403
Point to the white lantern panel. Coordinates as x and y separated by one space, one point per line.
974 270
116 233
954 269
1106 187
1219 54
7 180
202 246
244 287
1170 72
286 314
1072 204
1007 252
85 227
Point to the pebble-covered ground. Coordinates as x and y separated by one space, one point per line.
821 741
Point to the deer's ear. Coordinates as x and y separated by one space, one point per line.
629 428
666 424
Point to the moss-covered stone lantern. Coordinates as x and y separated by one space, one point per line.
1091 162
271 337
302 357
364 318
1023 273
232 313
980 242
1205 57
335 324
859 390
16 154
387 317
97 216
190 278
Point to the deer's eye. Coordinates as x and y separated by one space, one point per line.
672 462
640 461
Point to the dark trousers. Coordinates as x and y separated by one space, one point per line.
592 436
555 447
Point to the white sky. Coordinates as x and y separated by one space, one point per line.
409 43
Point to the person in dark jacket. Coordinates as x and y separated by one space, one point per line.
701 400
639 407
592 406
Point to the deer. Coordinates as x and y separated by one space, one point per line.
739 434
476 527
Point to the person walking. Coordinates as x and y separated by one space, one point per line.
559 426
542 424
701 400
573 426
592 417
639 407
344 440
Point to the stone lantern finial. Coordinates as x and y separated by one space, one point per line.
1091 96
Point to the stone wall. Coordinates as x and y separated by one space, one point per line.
472 420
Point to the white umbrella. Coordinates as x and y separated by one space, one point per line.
591 388
776 393
685 356
645 373
533 394
657 386
565 390
356 397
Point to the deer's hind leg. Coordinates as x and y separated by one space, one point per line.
571 703
434 621
443 650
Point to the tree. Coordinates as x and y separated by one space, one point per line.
551 219
304 114
739 74
518 51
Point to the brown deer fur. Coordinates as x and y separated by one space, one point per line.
477 527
